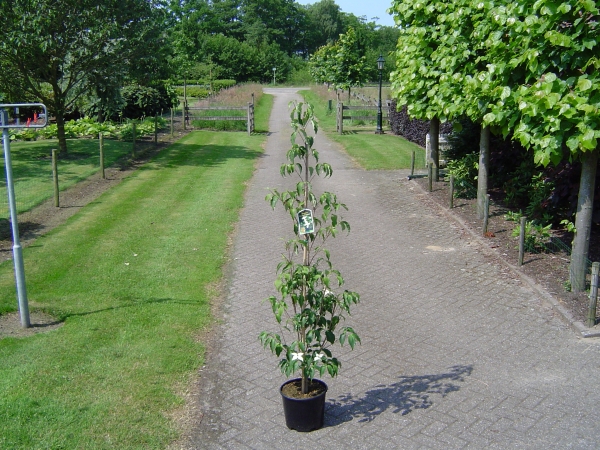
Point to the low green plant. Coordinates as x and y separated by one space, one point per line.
310 305
464 171
569 226
87 127
536 235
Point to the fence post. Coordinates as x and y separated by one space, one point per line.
429 177
155 129
101 140
330 106
133 144
522 240
412 164
341 113
591 318
249 124
55 177
172 129
451 191
486 213
252 129
184 113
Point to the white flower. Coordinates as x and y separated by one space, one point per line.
319 356
297 356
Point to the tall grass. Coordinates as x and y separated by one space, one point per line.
132 276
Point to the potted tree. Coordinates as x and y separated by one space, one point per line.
311 305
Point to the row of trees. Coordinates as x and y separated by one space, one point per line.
524 69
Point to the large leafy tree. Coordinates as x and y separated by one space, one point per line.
341 64
324 24
76 46
417 80
556 111
274 21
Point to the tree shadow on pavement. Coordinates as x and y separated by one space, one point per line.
408 394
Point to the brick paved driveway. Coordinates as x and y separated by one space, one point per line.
457 352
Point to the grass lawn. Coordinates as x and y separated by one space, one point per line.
371 151
132 276
32 168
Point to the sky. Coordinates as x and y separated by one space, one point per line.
369 8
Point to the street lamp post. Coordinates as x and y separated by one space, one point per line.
274 69
380 62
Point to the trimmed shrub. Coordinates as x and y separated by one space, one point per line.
414 130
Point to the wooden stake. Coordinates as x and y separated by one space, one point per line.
522 240
451 191
101 140
591 318
55 177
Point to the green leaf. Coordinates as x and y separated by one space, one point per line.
583 83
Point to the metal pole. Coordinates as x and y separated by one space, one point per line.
17 249
379 113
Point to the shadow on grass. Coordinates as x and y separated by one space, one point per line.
403 397
131 304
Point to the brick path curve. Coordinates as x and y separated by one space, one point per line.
456 353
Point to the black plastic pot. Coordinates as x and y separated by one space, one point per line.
304 414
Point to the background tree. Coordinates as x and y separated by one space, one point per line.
72 46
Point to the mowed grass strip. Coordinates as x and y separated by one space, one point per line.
132 276
372 151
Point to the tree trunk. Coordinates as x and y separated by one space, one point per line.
58 106
583 221
484 170
60 131
434 145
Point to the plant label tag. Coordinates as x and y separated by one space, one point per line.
306 224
